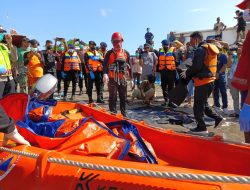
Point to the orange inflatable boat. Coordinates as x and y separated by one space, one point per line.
79 147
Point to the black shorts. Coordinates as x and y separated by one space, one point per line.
241 28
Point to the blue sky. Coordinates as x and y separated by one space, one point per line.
97 20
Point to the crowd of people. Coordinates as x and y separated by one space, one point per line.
210 68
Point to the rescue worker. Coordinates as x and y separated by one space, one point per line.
34 62
93 61
7 126
203 72
116 64
71 67
167 68
103 51
83 75
60 52
22 70
7 83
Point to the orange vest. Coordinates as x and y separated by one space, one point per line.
211 63
35 67
117 64
94 60
167 61
71 62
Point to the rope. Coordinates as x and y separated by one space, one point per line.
137 172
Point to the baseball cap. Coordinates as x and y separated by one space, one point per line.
92 43
33 42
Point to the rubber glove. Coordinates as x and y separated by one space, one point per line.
80 76
183 74
245 118
14 136
63 74
105 78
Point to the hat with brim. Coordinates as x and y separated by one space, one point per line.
243 4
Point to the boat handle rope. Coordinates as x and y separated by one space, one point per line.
138 172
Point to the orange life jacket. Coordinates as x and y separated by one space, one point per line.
71 62
117 64
211 63
94 61
35 67
167 60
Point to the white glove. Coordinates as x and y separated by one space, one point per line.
105 78
14 136
183 74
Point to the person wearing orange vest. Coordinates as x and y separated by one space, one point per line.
93 61
71 68
167 68
115 66
203 72
34 61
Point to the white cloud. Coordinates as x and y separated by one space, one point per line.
103 12
197 10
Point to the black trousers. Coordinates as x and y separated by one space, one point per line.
98 84
59 80
113 88
6 123
7 87
71 75
167 82
201 107
85 78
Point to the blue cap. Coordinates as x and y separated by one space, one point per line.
103 44
165 42
71 46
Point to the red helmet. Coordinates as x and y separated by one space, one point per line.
116 36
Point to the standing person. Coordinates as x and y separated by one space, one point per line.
148 62
233 59
7 83
241 25
60 52
7 126
167 68
50 59
203 71
93 61
71 67
103 51
220 84
219 27
241 80
116 64
182 39
83 75
149 36
171 37
136 69
22 70
34 62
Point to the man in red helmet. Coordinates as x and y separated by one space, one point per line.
115 67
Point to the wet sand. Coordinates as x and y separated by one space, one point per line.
229 130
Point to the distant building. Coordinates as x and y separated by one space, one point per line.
229 35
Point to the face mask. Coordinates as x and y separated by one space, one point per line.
191 49
60 48
137 54
1 37
33 49
92 48
49 48
151 47
246 15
